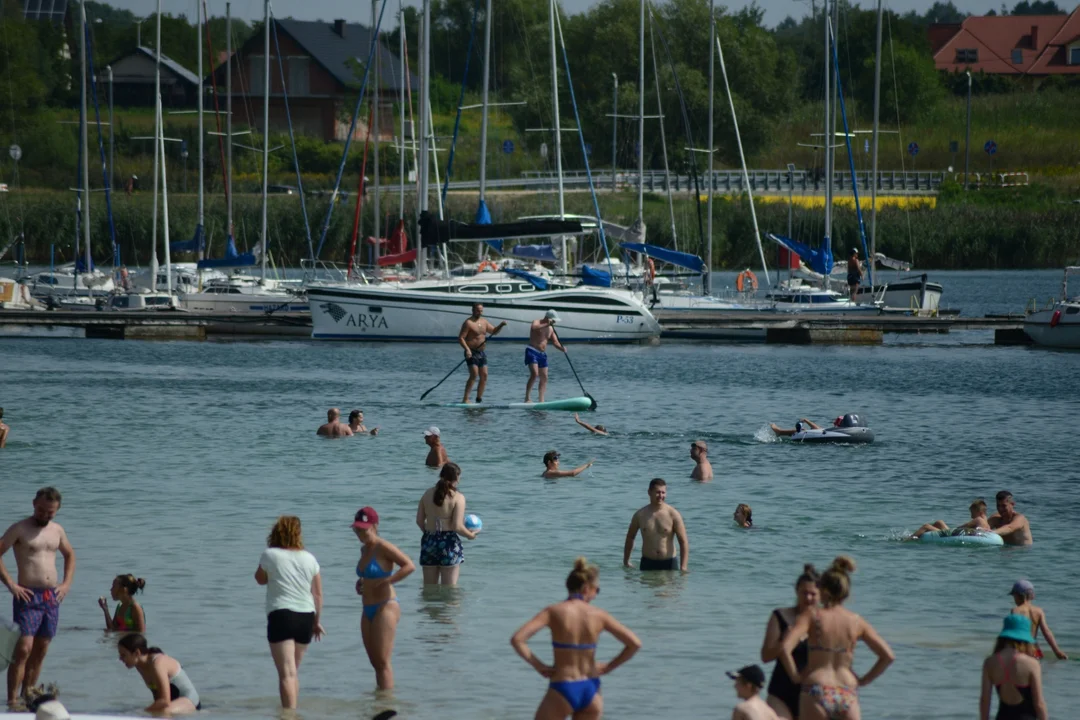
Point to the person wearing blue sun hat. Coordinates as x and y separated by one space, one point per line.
1015 673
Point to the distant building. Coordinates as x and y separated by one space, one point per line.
133 81
1020 45
321 63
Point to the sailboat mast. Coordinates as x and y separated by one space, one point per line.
707 280
425 90
663 138
874 153
199 108
641 115
83 138
228 122
401 149
266 133
157 155
828 135
164 201
484 101
376 105
552 9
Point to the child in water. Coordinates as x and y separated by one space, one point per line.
978 521
1023 592
129 616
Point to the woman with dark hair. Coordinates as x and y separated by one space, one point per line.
1015 673
829 685
293 602
129 616
174 693
574 687
783 691
378 624
441 517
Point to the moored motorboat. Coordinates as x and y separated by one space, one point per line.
1057 326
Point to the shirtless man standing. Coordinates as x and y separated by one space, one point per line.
473 338
36 597
436 456
1013 527
699 452
659 524
334 428
4 429
540 332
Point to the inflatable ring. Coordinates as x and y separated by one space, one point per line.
486 266
746 280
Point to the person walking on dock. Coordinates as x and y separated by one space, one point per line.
540 333
473 338
854 273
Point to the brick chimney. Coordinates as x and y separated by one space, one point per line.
1034 37
339 28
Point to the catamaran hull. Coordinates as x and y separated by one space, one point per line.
374 313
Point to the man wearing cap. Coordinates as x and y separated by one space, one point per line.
334 428
854 273
473 338
660 525
540 332
748 683
699 453
1013 527
436 456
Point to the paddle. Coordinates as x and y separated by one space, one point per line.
444 379
591 398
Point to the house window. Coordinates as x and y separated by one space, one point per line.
298 76
1017 57
967 55
1074 55
255 74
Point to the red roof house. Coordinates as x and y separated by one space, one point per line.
1032 45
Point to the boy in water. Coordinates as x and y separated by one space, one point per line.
978 521
1023 592
748 683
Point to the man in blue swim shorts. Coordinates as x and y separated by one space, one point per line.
540 333
473 338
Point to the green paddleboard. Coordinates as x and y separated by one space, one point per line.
577 404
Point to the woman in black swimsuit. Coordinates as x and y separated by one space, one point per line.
1015 673
783 693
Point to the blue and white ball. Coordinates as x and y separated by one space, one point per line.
473 522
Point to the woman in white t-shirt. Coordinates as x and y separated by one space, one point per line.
293 602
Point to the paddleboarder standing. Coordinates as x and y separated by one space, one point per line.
473 338
541 332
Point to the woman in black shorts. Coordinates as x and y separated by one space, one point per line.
293 602
783 693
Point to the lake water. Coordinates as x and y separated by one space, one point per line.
175 458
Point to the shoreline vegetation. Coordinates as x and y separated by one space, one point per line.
1008 228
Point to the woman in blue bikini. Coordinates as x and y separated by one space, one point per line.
377 578
575 625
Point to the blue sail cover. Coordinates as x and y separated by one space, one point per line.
80 265
232 258
537 282
681 259
544 253
820 261
598 278
195 244
483 217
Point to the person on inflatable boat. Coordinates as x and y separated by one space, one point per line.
848 420
978 521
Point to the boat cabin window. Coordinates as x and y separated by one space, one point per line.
504 288
156 300
474 289
47 280
120 302
822 299
1072 310
525 287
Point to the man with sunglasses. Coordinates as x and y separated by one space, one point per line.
660 525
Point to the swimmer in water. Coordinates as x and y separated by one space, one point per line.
174 693
4 429
436 456
744 516
574 675
356 424
699 453
1023 592
333 427
551 467
441 517
378 624
1015 673
748 683
977 522
595 429
829 683
1013 527
129 616
660 525
783 692
803 424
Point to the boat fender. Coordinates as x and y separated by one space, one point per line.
746 280
1055 318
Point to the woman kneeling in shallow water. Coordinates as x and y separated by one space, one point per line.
575 626
173 691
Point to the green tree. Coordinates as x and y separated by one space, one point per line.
911 86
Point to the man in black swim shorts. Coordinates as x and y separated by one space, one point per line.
660 525
473 338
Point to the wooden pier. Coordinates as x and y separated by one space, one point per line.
143 325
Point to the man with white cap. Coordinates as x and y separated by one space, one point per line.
436 456
540 333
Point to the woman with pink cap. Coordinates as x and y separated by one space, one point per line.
375 571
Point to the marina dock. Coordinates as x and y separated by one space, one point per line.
780 328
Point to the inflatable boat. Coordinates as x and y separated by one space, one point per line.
848 430
966 537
